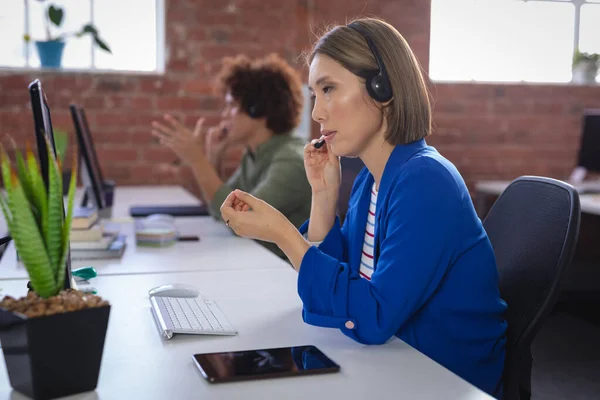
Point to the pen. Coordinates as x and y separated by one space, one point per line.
320 143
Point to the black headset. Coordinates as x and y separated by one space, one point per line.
378 84
255 110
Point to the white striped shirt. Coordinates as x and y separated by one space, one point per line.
366 258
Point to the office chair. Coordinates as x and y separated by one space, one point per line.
533 228
350 169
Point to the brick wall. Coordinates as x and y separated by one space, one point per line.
489 131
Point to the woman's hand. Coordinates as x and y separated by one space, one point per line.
322 168
187 144
253 218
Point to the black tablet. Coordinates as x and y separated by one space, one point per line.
264 363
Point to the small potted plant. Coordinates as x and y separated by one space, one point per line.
585 67
53 338
50 50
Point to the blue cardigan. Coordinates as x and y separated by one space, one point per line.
435 282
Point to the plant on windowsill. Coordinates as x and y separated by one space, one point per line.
585 67
53 338
50 50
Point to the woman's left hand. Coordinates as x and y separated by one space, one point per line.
253 218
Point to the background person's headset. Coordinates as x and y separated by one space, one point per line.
378 84
254 109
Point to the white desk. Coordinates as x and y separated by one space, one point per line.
590 203
127 196
264 307
218 248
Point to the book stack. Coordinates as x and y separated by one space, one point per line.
89 241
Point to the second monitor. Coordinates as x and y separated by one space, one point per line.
98 191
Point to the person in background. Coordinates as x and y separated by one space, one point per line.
412 259
263 104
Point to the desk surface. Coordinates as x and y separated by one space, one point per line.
213 251
590 203
264 307
217 249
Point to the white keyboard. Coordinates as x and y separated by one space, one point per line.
191 315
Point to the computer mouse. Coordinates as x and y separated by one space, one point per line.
174 290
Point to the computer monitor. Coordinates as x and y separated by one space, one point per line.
43 130
91 174
589 151
94 155
588 158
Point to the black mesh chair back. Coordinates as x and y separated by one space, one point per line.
533 228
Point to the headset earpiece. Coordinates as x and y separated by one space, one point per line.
378 84
254 110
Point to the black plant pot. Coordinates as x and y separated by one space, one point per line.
54 356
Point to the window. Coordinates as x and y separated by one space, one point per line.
510 40
133 29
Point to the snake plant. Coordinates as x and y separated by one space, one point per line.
36 218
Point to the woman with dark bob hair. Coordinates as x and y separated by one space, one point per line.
412 259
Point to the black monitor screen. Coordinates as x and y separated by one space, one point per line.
43 130
589 152
90 168
94 156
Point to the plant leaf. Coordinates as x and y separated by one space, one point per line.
54 217
61 141
89 28
6 168
101 44
6 212
29 242
39 190
56 15
6 172
25 180
66 233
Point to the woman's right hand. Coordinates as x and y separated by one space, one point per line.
322 168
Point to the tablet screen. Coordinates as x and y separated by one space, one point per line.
263 363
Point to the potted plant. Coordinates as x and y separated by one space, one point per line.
50 50
585 67
53 338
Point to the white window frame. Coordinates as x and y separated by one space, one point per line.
576 26
160 45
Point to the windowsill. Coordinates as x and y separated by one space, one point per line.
29 70
515 83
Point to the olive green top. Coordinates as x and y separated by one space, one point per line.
273 173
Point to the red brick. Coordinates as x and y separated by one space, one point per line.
198 86
92 102
119 102
111 137
144 103
208 17
169 103
142 138
159 154
117 155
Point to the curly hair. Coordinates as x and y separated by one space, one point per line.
269 83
